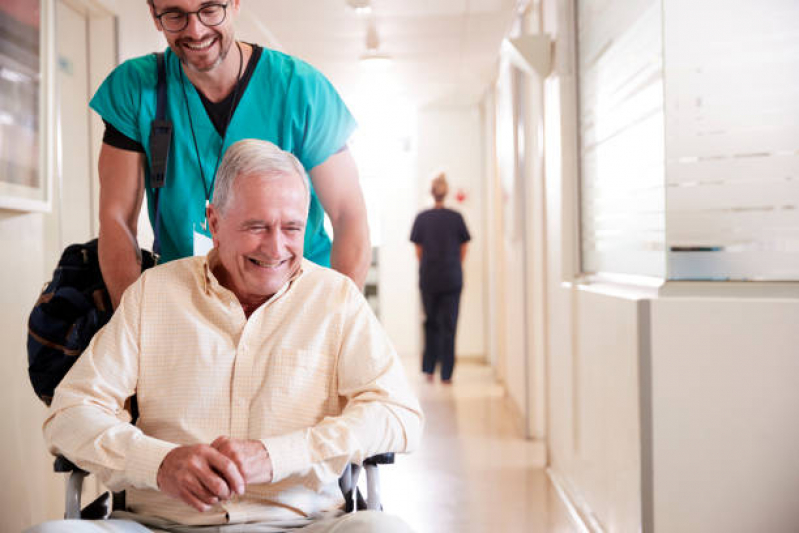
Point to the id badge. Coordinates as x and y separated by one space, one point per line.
202 242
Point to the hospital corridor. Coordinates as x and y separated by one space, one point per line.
537 259
474 472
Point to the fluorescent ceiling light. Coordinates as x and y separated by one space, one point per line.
361 7
372 56
373 59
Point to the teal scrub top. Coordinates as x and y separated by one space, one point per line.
286 102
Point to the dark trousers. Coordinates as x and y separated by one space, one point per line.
441 319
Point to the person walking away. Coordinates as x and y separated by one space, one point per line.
441 239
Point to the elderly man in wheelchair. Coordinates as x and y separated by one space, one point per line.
259 378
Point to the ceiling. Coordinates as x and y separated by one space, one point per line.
443 51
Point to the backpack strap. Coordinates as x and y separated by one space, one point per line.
160 143
160 113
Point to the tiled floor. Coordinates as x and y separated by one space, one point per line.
473 473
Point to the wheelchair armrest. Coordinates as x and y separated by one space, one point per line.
97 510
64 465
381 459
348 483
75 477
373 500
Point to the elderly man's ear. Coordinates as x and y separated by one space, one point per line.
213 221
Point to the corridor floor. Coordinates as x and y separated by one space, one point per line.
473 473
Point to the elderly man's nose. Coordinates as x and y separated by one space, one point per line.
272 243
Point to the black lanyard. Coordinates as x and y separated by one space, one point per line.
208 188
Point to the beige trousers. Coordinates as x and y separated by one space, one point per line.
360 522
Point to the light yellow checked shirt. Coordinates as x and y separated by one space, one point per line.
311 374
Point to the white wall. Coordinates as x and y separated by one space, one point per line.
104 55
73 207
491 203
724 401
137 33
32 492
450 139
24 457
390 178
507 250
594 428
593 332
666 413
516 212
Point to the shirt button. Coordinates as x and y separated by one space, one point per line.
241 402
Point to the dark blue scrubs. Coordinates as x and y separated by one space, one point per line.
440 232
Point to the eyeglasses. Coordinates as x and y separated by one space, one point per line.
176 20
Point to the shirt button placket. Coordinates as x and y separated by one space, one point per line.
240 392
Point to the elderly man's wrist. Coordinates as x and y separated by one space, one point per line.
269 471
145 460
288 454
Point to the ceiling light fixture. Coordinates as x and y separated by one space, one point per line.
372 56
376 60
361 7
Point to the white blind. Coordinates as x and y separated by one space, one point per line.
622 136
732 141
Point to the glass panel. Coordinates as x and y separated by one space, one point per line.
21 181
622 137
732 147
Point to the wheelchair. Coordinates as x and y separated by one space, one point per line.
107 502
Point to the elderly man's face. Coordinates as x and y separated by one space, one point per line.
199 47
260 236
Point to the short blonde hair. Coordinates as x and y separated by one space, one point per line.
439 187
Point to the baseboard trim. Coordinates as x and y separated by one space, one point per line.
471 358
583 524
515 412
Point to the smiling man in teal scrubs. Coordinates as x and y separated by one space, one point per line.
220 91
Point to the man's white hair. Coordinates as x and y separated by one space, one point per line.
254 157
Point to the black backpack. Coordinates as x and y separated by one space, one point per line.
75 304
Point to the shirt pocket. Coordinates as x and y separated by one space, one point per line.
301 381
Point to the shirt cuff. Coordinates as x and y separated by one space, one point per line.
289 454
144 459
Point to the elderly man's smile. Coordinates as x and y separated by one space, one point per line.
271 265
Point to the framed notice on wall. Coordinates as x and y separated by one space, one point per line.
24 130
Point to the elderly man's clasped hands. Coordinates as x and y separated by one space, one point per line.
203 475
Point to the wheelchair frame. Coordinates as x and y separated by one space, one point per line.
106 502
